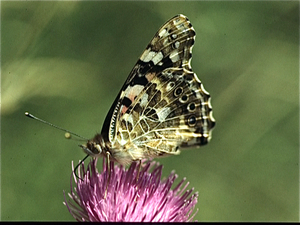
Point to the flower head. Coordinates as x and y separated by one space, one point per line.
129 198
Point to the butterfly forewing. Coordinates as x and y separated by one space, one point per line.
162 105
170 47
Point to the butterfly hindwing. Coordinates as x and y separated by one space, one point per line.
173 111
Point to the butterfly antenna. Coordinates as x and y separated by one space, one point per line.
52 125
76 168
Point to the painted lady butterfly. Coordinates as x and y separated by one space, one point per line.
162 106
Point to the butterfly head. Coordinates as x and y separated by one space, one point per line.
93 147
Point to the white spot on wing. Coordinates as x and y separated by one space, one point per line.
163 113
133 91
128 117
177 43
157 58
123 141
162 33
144 100
174 56
147 55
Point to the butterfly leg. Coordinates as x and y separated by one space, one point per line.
138 173
137 178
108 170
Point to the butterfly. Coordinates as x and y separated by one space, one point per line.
162 105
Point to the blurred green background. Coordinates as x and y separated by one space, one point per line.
66 61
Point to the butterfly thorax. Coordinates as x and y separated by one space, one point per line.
122 153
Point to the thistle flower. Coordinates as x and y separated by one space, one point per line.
128 199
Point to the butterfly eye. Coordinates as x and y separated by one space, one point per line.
92 148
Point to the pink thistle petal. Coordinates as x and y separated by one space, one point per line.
147 199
